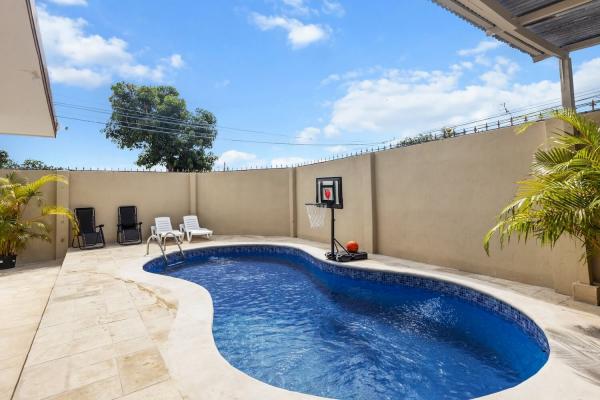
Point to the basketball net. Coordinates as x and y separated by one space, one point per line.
316 214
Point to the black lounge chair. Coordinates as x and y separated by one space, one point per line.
90 235
129 230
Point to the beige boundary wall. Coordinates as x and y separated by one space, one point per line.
431 202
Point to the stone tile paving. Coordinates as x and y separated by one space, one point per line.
105 337
99 337
24 292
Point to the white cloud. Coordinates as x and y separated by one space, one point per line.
299 34
297 6
333 7
141 71
287 161
483 47
64 38
404 103
70 2
78 58
501 73
587 75
80 77
307 135
350 75
237 159
176 61
306 7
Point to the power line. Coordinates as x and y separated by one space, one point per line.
226 139
141 128
127 112
546 105
165 120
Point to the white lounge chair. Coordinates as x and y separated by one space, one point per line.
163 229
191 227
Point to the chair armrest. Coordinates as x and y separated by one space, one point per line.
182 227
100 226
139 223
153 229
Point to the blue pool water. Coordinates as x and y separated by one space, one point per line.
292 324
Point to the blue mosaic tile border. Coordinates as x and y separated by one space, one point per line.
486 301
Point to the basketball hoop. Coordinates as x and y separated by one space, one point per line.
316 214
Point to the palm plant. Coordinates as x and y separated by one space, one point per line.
16 230
562 194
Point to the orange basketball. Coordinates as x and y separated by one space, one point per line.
352 246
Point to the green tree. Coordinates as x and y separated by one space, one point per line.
561 195
156 120
6 162
36 164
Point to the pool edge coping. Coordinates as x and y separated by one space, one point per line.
551 378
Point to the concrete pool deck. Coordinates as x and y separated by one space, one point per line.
111 330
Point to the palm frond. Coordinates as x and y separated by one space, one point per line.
561 195
15 195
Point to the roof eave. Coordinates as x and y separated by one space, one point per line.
37 38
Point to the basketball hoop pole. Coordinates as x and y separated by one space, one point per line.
332 230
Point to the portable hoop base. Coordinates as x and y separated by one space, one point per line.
338 251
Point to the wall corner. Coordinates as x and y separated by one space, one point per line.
193 207
292 202
62 229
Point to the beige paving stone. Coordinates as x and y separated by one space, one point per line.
161 391
133 345
43 380
116 304
8 381
90 342
92 357
141 296
117 316
159 328
83 375
24 292
66 340
41 353
154 311
16 341
141 369
105 389
13 362
127 329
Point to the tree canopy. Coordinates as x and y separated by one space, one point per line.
8 163
155 119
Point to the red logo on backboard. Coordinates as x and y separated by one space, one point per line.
327 194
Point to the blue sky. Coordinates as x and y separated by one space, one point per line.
327 72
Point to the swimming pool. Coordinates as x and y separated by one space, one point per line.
290 320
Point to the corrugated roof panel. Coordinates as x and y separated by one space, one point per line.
570 27
566 30
521 7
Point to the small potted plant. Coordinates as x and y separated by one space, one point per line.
16 230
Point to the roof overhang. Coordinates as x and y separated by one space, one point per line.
25 97
540 28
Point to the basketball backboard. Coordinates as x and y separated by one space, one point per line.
329 192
